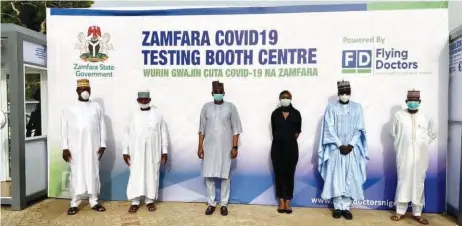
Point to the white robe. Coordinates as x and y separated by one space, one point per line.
412 135
83 132
146 138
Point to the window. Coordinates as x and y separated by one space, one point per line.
35 86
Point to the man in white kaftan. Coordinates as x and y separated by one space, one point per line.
343 153
83 140
412 132
144 149
219 131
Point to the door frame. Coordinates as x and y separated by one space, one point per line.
4 133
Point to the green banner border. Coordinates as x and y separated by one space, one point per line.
400 5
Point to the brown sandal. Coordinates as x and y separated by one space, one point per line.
396 217
421 220
151 207
133 208
283 209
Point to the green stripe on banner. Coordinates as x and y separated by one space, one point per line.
349 71
407 5
364 71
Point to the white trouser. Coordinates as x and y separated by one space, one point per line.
77 199
136 201
225 191
342 203
401 209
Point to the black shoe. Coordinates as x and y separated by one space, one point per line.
337 214
288 211
347 215
224 211
72 211
210 210
281 210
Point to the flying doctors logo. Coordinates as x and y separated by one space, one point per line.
357 61
380 60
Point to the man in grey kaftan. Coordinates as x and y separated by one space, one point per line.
219 131
343 152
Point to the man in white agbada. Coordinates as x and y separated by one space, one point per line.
219 131
83 140
412 132
144 149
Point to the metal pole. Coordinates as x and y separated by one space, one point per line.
17 114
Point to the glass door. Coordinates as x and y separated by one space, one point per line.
5 136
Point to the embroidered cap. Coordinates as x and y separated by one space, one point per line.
83 83
217 85
343 85
144 94
413 94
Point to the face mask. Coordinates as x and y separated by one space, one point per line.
144 106
218 97
85 95
413 105
344 98
285 102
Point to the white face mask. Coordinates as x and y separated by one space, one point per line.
85 95
144 106
285 102
344 98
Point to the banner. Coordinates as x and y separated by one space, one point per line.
455 125
382 49
455 70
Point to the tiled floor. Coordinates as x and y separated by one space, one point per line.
53 212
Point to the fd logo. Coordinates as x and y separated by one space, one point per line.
94 47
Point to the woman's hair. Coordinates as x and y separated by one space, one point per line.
285 92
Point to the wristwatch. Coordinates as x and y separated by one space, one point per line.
235 147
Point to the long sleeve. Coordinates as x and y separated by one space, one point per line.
164 138
432 130
359 127
330 134
126 139
64 132
298 123
273 123
395 127
203 120
235 121
102 127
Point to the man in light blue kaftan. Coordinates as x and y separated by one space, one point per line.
219 131
342 152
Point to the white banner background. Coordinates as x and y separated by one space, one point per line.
422 32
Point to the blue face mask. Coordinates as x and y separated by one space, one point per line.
218 96
413 105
